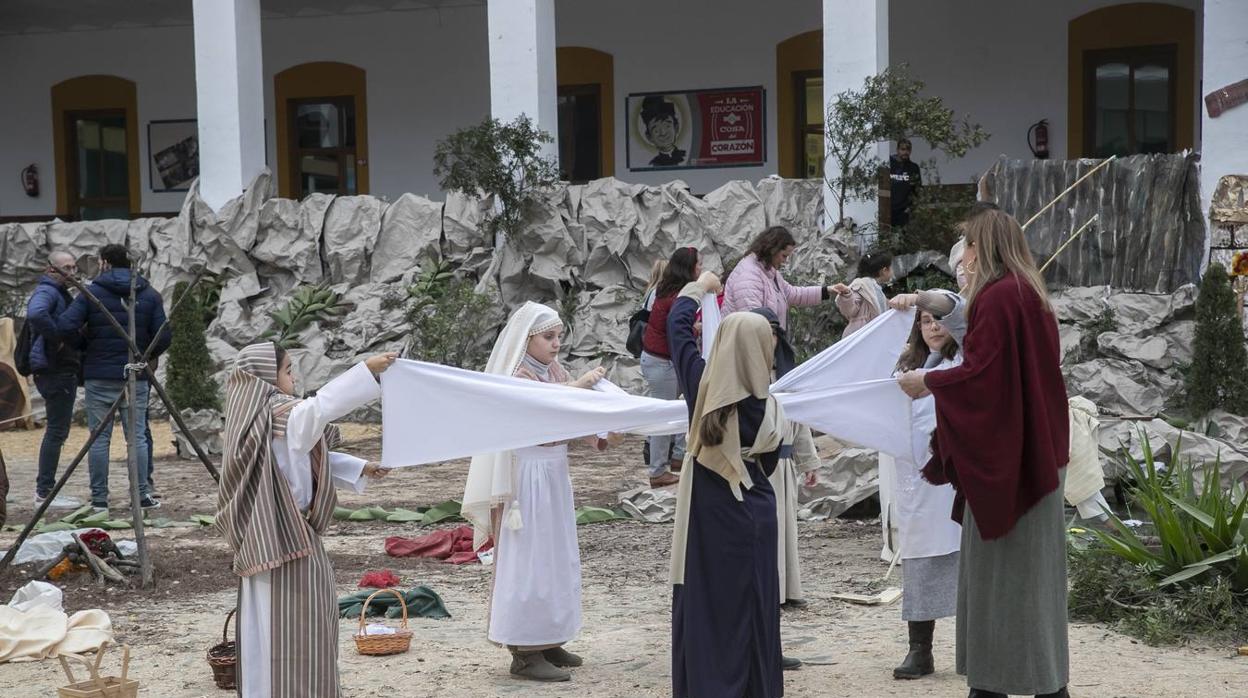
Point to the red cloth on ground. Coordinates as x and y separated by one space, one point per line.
379 580
1002 429
453 545
98 542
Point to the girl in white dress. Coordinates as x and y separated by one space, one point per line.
523 499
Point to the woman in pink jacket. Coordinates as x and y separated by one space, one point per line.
756 281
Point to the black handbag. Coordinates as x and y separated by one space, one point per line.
636 329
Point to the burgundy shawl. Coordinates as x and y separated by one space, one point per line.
1002 430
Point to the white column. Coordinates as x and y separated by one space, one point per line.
855 45
1223 140
522 63
229 91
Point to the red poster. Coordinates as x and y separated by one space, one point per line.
697 129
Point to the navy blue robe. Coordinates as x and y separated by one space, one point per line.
726 616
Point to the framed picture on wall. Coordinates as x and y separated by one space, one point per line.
173 153
696 129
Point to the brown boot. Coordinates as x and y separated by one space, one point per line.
535 667
675 465
663 480
562 658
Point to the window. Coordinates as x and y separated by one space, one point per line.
98 165
322 129
808 91
96 145
323 145
580 142
1130 101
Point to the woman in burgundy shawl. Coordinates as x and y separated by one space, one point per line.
1002 441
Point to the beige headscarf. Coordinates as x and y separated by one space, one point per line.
255 510
739 367
491 479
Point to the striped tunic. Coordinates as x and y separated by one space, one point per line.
277 498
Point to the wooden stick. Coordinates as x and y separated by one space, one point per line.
96 564
1069 240
1069 189
132 454
39 512
42 573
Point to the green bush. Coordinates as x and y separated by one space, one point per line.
451 324
1201 532
933 220
1184 573
504 160
307 304
190 368
1218 377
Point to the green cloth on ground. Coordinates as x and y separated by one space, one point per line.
588 515
422 602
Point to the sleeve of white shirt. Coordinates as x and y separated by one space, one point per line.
351 390
1093 507
347 472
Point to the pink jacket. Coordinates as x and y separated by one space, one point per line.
751 285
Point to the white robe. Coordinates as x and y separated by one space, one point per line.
917 510
307 421
537 567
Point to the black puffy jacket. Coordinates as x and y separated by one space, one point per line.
105 354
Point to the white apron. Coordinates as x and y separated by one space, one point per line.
918 511
537 567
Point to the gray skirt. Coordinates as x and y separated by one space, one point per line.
1011 632
929 587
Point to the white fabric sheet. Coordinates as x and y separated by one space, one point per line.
433 413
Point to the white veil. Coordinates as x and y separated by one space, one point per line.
491 475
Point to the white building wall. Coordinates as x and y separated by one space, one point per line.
1226 28
1006 68
428 73
688 44
159 61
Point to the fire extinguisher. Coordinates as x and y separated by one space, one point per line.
30 180
1038 139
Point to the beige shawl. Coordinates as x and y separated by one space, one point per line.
739 367
255 510
491 481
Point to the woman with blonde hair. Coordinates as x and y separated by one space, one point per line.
1002 441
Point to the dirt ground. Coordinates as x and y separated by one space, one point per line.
849 650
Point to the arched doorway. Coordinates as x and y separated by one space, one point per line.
586 79
96 145
322 129
799 105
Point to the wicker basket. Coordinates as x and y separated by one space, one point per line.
99 686
380 645
223 657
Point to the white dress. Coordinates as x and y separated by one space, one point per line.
537 567
306 423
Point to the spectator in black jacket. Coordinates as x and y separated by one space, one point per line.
905 179
55 365
106 355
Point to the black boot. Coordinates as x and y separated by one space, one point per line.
918 662
977 693
1060 693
